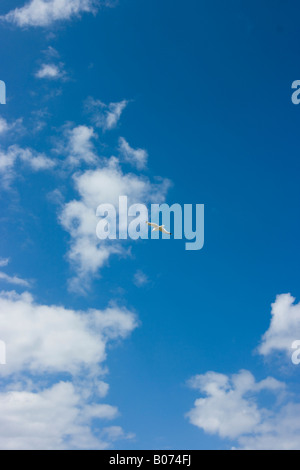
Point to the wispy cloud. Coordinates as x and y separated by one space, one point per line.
36 161
51 52
136 157
6 126
11 279
47 12
4 262
140 279
105 116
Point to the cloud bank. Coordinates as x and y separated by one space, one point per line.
42 343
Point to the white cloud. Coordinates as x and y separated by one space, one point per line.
106 184
230 408
113 114
51 72
47 12
43 338
278 431
105 116
52 418
78 146
136 157
284 328
34 160
13 280
78 217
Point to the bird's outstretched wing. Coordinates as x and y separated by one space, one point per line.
152 225
165 231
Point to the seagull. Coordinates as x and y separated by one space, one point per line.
158 228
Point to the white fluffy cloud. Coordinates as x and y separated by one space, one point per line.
136 157
278 431
42 340
77 145
105 116
54 418
78 217
47 12
229 408
50 71
284 328
54 339
106 184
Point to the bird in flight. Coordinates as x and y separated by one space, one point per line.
158 228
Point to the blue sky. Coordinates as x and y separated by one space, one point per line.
204 89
